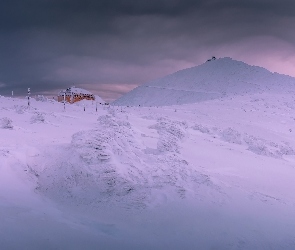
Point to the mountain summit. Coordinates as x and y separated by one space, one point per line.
210 80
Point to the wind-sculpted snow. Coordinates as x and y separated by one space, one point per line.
6 123
38 118
102 167
93 146
201 128
171 132
231 135
109 164
41 98
254 144
171 169
20 109
268 148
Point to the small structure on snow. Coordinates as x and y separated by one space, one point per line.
212 59
73 94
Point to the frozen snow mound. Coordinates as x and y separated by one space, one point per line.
41 98
170 134
211 80
109 165
6 123
38 118
100 167
256 145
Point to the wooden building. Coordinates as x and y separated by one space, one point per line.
74 94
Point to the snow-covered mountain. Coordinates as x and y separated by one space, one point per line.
211 80
216 174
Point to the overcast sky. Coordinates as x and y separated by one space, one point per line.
112 46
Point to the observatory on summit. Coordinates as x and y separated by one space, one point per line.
73 94
211 59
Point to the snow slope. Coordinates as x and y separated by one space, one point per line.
211 80
217 174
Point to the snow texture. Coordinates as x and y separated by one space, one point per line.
6 123
38 118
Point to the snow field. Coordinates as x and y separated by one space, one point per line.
217 174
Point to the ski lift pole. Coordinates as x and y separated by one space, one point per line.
29 92
64 101
96 107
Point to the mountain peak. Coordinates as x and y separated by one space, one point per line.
213 79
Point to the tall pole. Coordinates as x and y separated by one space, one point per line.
29 92
64 101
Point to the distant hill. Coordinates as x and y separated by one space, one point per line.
213 79
98 99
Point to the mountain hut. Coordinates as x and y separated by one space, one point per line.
74 94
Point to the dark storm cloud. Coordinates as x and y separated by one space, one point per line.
90 15
51 44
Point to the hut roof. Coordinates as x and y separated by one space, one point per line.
74 90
